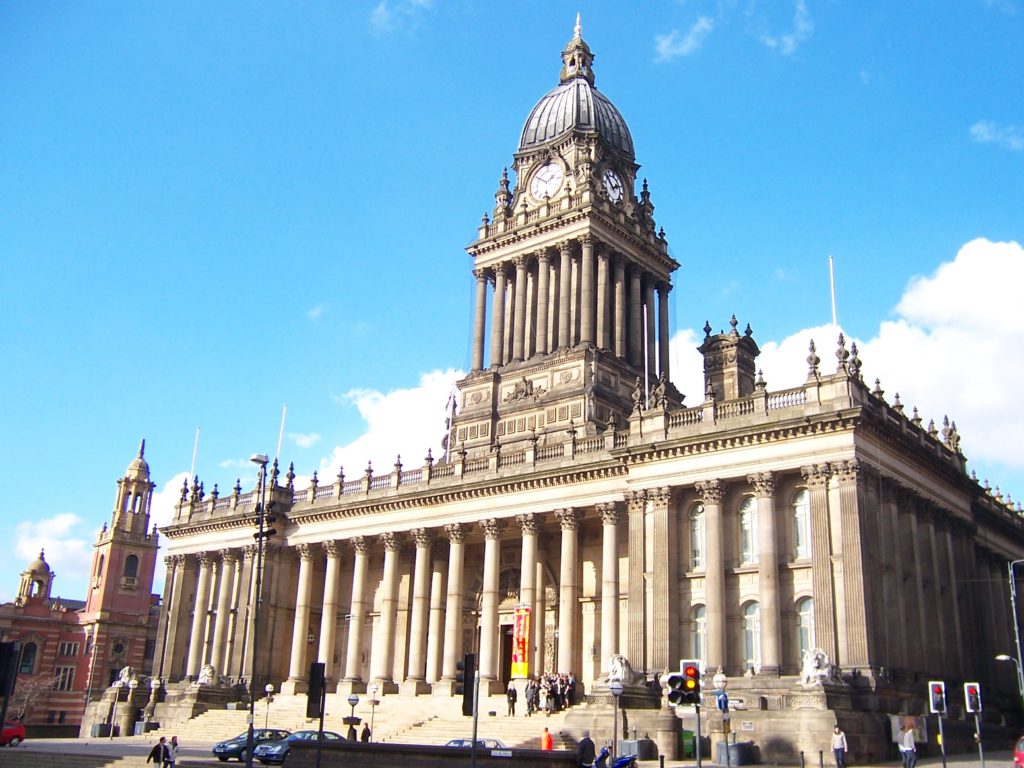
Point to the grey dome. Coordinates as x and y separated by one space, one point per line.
576 106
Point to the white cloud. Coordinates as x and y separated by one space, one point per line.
388 16
402 422
304 441
165 499
314 313
676 44
801 31
1009 137
69 554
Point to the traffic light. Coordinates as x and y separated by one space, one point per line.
972 695
315 694
691 681
465 671
936 697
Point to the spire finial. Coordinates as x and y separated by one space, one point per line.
142 449
577 31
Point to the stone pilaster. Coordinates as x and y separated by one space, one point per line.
611 516
489 600
768 573
479 318
329 618
357 618
456 533
197 637
528 576
417 670
222 619
816 477
568 602
297 667
498 318
710 492
586 289
636 637
665 644
543 302
519 310
383 658
564 293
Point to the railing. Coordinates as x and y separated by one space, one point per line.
590 445
300 496
550 452
325 491
686 418
734 409
380 483
224 502
477 465
441 471
412 477
513 459
352 486
787 398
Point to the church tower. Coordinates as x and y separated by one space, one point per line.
124 554
576 274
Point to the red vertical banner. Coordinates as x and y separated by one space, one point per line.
521 642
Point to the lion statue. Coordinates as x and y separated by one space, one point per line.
208 675
620 670
817 668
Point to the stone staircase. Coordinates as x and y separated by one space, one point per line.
26 758
403 719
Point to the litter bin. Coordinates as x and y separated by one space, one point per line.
689 744
740 753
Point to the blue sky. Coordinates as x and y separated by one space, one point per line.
208 210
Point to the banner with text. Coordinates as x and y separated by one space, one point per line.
521 642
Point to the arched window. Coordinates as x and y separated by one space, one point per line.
802 525
27 665
752 636
748 531
804 625
99 566
131 566
699 633
697 537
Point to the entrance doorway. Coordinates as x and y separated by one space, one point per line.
506 654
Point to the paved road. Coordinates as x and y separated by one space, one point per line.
140 745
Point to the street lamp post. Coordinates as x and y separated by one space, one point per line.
615 687
261 519
721 682
1008 657
351 719
270 697
118 684
373 689
1016 625
132 685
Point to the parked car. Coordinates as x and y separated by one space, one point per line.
225 750
480 743
1018 753
13 734
277 751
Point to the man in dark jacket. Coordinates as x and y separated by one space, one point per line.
585 752
160 754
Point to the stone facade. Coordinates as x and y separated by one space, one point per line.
746 530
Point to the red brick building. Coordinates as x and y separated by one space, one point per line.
72 650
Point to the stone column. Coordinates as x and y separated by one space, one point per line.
610 517
479 318
519 325
199 617
171 620
528 578
417 671
664 334
498 318
564 294
489 601
603 319
768 573
249 556
568 590
619 309
232 663
857 626
649 321
717 610
636 318
383 658
357 616
928 522
664 621
816 477
954 569
540 612
329 618
225 585
587 289
543 302
435 634
636 626
456 533
297 670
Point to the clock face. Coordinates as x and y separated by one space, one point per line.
546 181
612 185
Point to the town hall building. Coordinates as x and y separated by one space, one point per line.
820 545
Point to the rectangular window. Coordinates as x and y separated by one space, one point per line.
65 679
62 716
67 649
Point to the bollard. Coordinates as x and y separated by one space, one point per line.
821 759
801 759
661 761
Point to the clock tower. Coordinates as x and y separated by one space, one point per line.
570 328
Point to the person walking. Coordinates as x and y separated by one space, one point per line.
365 735
513 696
172 749
839 746
159 755
909 747
585 751
547 743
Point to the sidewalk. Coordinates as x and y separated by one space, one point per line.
995 759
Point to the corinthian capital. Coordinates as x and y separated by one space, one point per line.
569 518
492 528
456 532
528 523
710 491
763 482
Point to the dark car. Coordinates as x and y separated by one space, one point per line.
277 751
225 750
13 734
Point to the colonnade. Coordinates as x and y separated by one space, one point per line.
578 293
869 539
